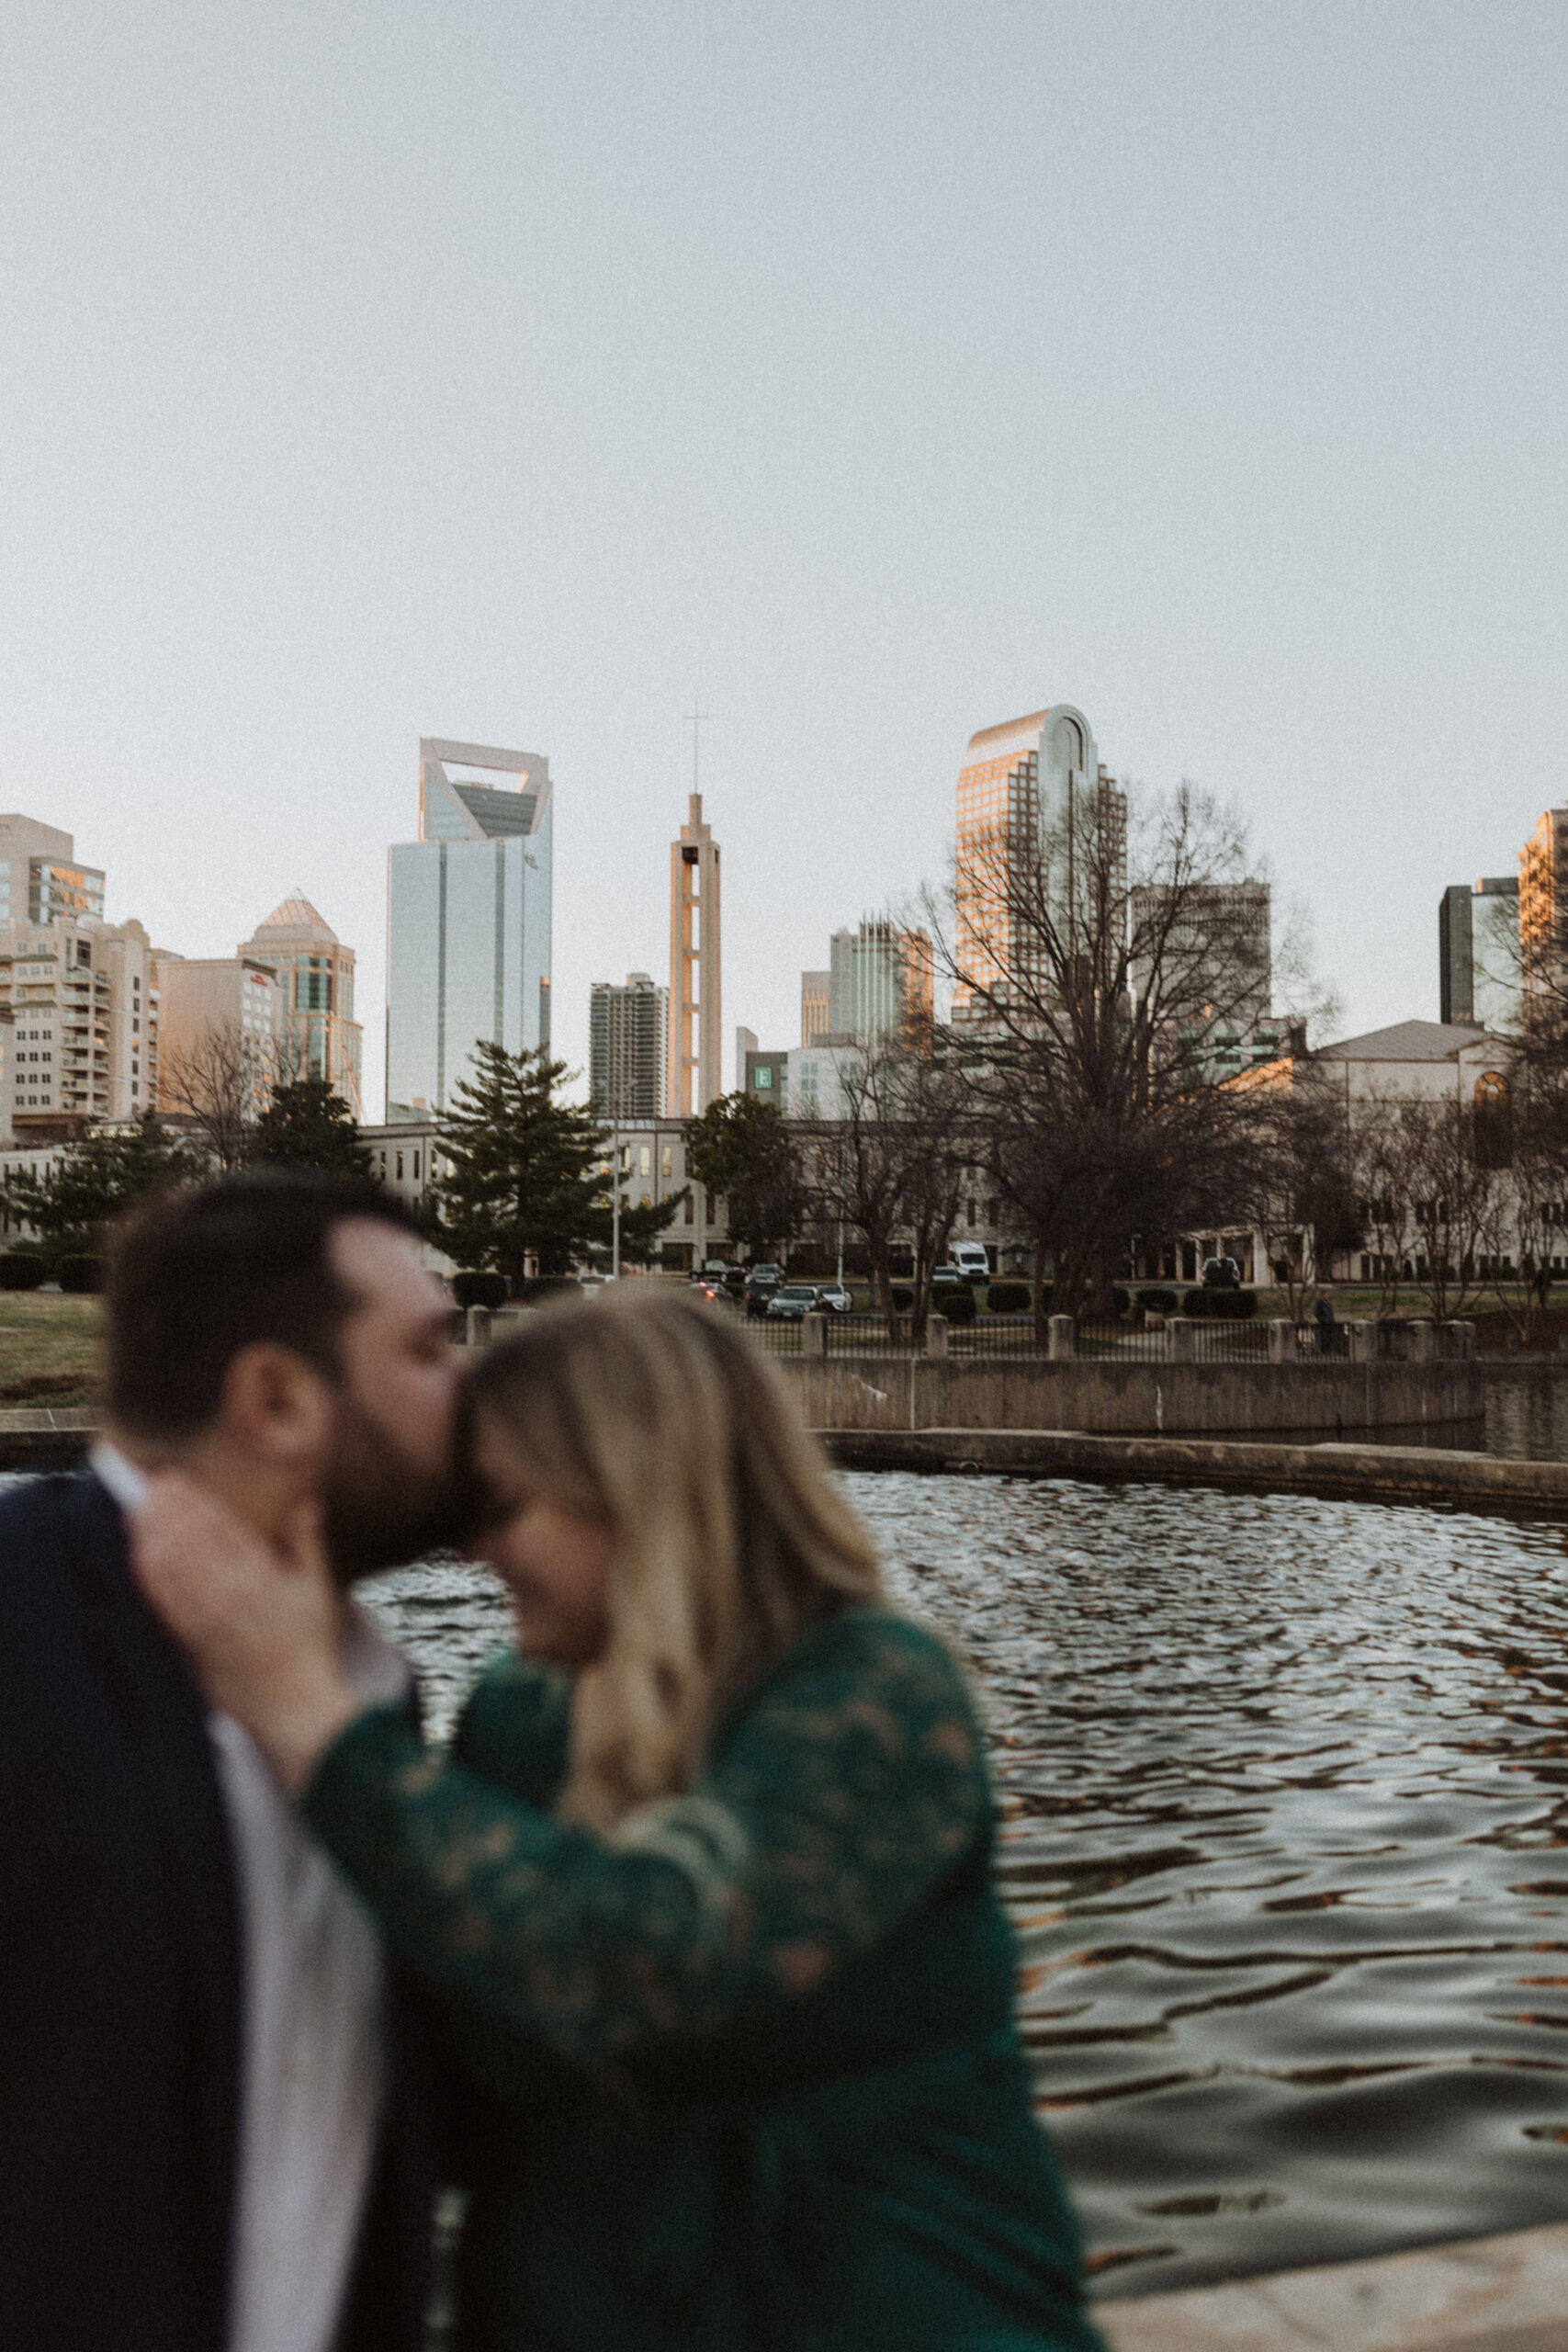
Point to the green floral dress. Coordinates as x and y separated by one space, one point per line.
744 2076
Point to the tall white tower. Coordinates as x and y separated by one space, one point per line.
694 1011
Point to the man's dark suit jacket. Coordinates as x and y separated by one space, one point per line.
120 2000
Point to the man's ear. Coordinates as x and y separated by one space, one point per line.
276 1404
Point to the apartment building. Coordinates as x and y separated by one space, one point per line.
628 1047
79 1015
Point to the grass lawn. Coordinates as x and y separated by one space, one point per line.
49 1348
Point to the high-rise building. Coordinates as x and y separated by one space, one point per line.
1213 944
1478 954
81 1005
218 1010
879 985
1041 829
468 920
816 992
1543 913
315 974
78 997
696 1033
39 876
745 1043
628 1047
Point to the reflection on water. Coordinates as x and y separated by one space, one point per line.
1285 1787
1526 1414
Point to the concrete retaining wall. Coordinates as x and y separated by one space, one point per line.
1385 1473
1170 1399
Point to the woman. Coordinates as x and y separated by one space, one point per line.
704 1887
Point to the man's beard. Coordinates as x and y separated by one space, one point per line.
378 1509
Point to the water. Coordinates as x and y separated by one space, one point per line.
1285 1835
1285 1793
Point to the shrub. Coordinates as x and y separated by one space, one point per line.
1232 1306
82 1273
20 1269
903 1300
956 1302
1008 1298
1120 1301
473 1289
1198 1302
1156 1301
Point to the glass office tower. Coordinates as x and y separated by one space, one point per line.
468 922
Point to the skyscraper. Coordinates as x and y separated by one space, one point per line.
468 920
1478 954
815 991
696 1035
628 1047
315 972
879 987
1543 913
1040 825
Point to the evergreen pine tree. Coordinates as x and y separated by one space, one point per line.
742 1148
305 1125
523 1174
97 1177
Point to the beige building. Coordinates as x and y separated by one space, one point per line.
79 1017
39 877
225 1000
315 973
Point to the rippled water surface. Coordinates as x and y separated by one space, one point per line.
1285 1787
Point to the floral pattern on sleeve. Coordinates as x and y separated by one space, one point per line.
845 1790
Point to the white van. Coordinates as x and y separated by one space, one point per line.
971 1261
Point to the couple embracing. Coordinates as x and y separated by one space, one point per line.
682 1963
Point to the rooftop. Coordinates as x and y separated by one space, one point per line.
1406 1041
295 914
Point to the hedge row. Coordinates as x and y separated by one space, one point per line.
1222 1306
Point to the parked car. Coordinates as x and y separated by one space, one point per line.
791 1302
834 1298
761 1284
1220 1273
717 1269
589 1284
944 1276
711 1293
973 1261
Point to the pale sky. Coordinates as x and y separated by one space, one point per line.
875 372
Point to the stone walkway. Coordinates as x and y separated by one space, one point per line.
1501 2294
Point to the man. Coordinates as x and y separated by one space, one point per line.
208 2143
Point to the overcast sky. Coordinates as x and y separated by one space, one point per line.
875 372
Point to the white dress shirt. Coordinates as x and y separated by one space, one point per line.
310 2010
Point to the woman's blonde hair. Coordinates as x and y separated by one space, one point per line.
657 1417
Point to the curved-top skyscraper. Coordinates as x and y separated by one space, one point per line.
468 920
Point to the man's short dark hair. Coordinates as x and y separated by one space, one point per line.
197 1275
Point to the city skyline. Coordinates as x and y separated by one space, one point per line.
1261 467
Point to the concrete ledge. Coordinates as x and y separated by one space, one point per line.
1378 1473
44 1437
1501 2294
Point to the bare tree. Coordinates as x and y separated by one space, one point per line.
1092 974
217 1088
